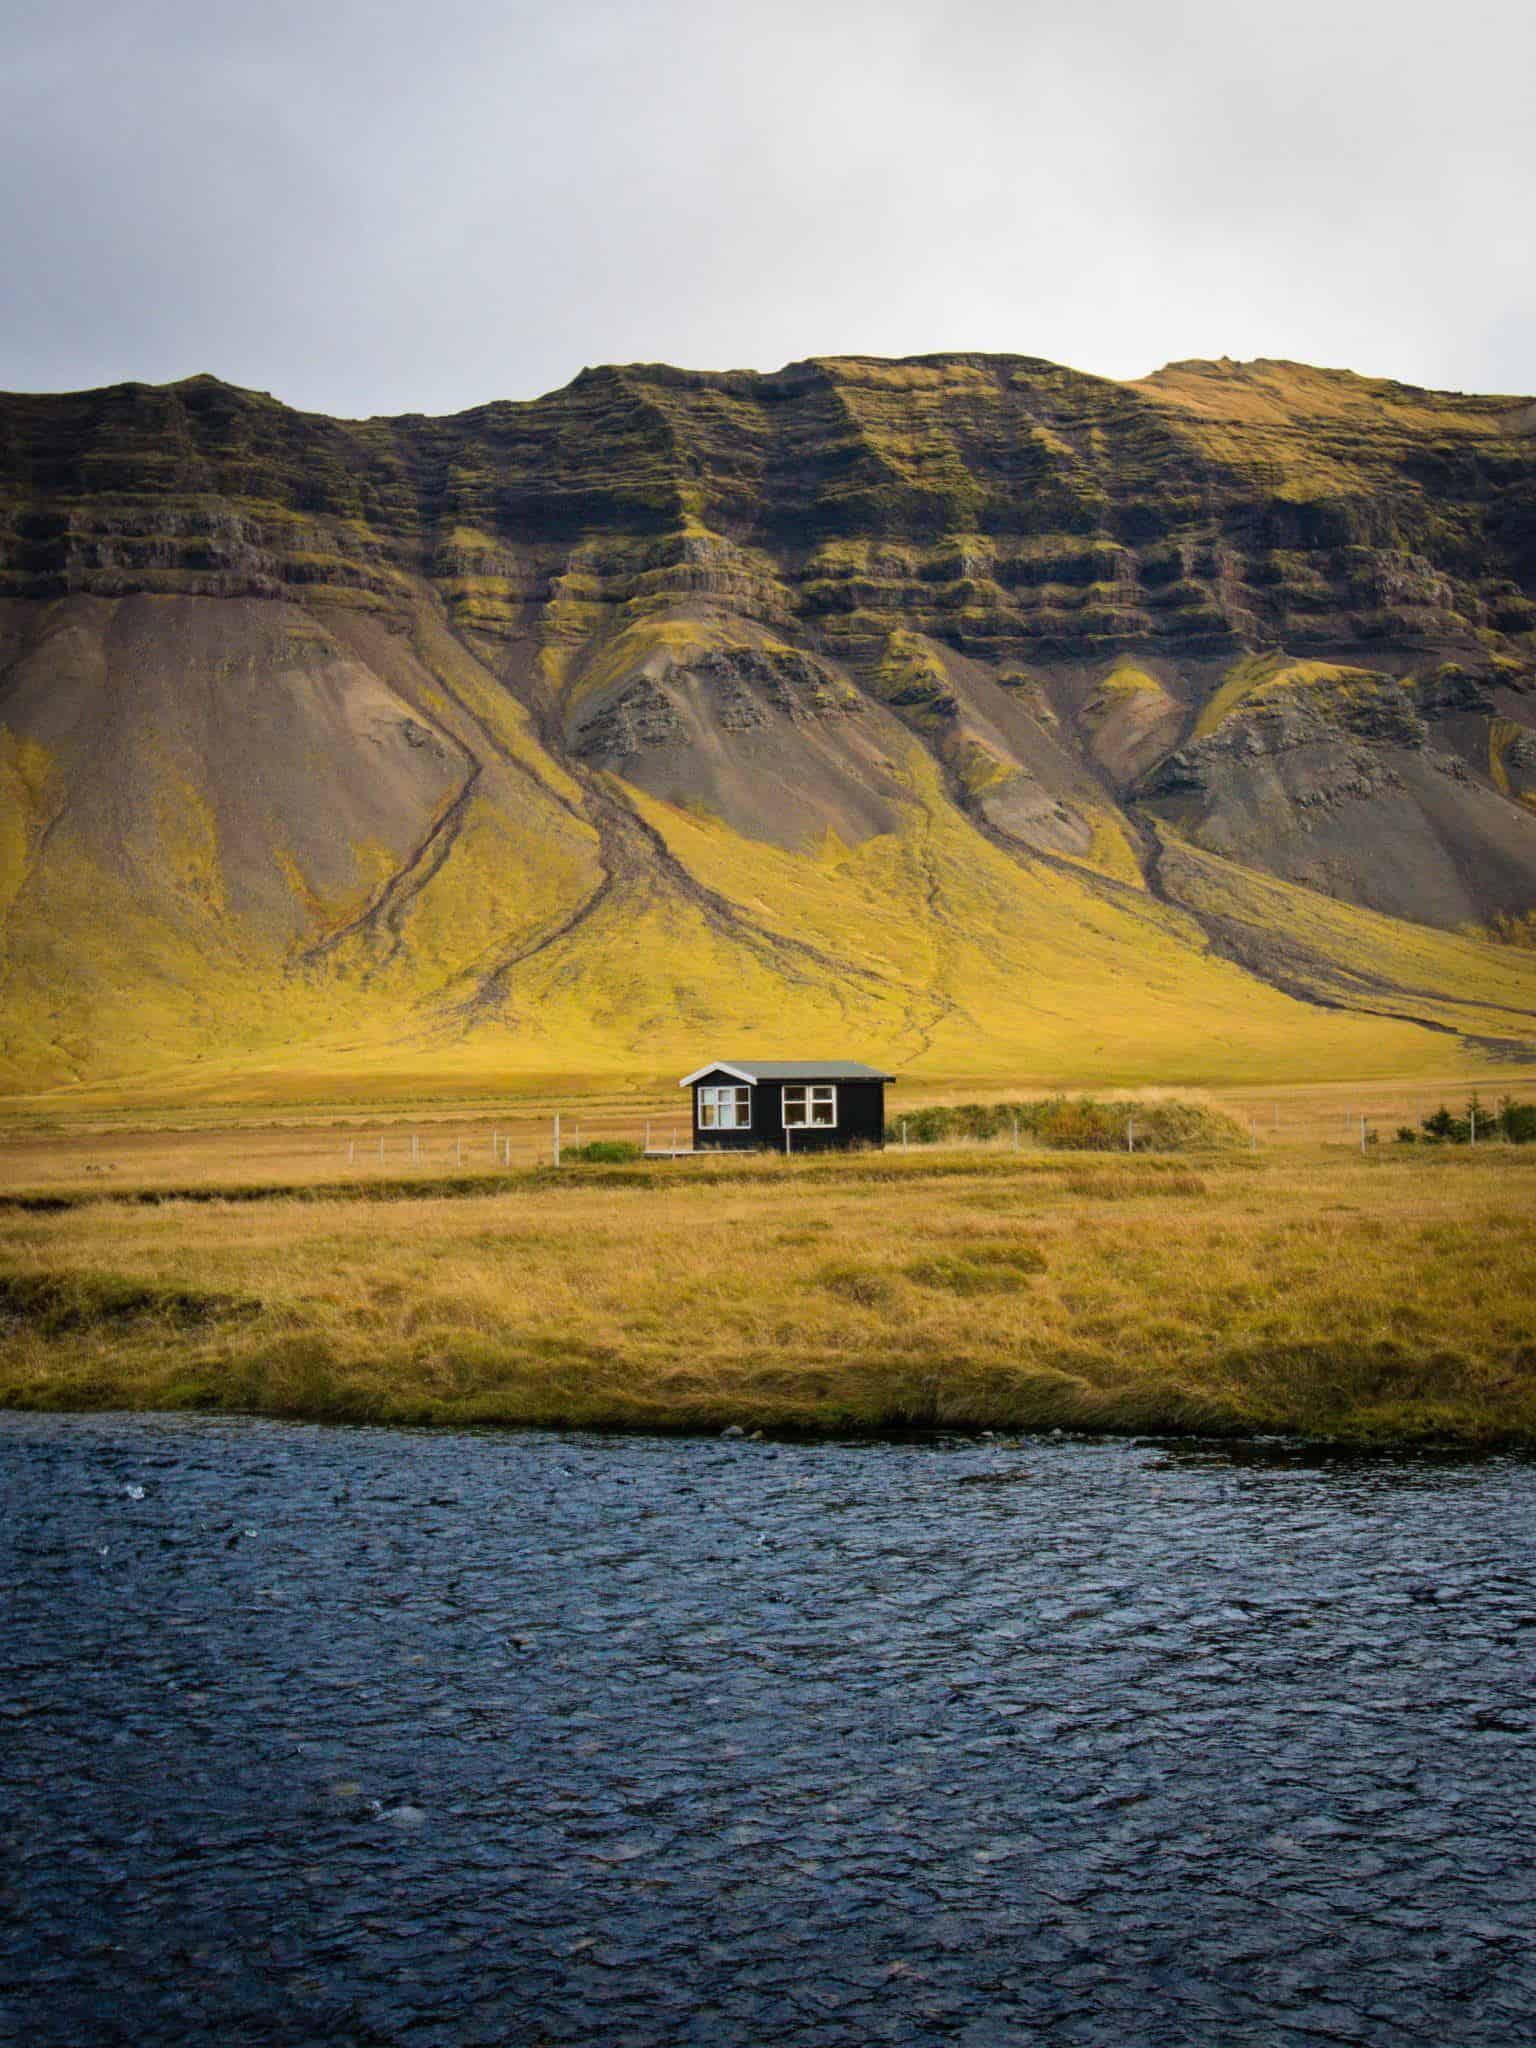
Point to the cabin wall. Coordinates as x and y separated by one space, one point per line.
861 1112
860 1119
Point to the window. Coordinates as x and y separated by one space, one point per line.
725 1109
807 1104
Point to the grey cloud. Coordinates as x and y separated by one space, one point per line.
374 207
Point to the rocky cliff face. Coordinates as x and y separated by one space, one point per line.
396 714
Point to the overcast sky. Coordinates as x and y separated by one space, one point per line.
366 206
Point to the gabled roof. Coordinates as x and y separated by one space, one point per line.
788 1070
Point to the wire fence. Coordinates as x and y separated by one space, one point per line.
364 1149
1371 1115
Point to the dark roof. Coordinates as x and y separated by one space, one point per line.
790 1070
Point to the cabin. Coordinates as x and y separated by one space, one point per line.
790 1105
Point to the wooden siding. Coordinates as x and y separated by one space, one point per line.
860 1117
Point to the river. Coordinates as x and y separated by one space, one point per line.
399 1737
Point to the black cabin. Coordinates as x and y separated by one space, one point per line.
790 1105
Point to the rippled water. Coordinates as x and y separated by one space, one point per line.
387 1737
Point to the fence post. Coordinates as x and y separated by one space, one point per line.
1015 1134
788 1141
1130 1134
1362 1134
1472 1122
647 1134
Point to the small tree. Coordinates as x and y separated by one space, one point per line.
1445 1129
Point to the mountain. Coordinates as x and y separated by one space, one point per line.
965 712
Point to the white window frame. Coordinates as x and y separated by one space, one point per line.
810 1096
725 1109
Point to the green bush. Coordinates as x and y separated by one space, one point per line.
602 1152
1515 1122
1445 1129
1074 1123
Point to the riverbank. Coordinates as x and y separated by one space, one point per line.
1362 1297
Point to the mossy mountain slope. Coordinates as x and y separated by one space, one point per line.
990 715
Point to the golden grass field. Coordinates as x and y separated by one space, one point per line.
1288 1281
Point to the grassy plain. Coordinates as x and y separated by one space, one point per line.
1281 1284
103 1140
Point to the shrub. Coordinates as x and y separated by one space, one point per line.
1074 1123
602 1152
1513 1121
1444 1129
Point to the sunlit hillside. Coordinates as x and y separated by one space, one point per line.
969 714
